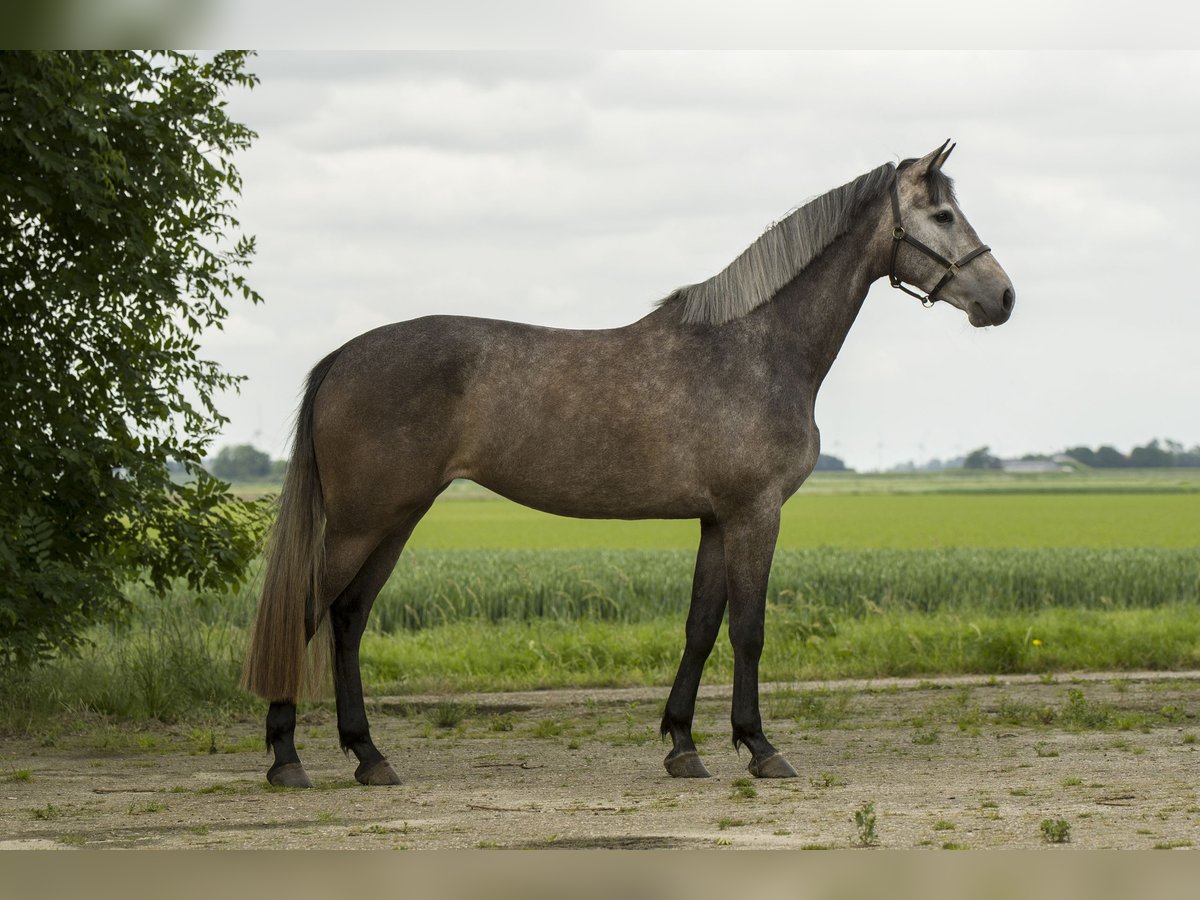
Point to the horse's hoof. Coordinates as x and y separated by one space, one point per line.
774 766
291 775
685 765
376 772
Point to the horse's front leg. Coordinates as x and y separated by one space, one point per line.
703 624
749 537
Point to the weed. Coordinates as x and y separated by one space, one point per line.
448 715
1079 712
864 824
953 845
1172 845
724 842
827 780
926 737
547 728
23 776
150 806
1056 831
1072 781
78 840
944 825
502 722
199 830
49 811
727 822
743 789
1189 738
1044 750
989 804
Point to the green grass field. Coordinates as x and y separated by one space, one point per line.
874 575
883 520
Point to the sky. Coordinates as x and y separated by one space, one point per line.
576 187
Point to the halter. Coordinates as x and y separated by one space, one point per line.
900 236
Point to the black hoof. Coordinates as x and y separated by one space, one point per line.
685 765
376 772
291 775
774 766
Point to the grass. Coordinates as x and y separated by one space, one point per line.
909 520
875 576
1056 831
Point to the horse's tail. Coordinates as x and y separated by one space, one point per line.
278 666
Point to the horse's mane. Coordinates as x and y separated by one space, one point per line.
787 247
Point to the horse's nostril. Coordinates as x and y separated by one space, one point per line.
1008 299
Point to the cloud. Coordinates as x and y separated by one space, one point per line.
574 189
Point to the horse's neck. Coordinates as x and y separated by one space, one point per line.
813 313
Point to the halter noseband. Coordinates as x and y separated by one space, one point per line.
900 236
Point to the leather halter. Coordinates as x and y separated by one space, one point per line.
900 236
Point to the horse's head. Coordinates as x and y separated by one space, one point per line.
935 247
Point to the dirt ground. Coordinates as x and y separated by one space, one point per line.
948 763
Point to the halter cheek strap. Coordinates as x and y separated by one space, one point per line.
900 236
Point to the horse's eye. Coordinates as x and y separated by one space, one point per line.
943 217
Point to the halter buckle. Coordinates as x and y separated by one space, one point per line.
927 302
898 233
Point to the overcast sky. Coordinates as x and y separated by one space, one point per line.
574 189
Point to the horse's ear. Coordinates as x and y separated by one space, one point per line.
931 162
943 157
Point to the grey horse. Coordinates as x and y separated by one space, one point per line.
703 410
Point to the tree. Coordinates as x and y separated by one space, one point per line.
116 252
1109 457
242 462
1151 456
829 463
981 459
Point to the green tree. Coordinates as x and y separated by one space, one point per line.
981 459
1109 457
241 462
1151 456
118 248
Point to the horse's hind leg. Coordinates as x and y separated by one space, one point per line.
703 624
344 558
348 616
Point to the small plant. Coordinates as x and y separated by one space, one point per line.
78 840
1172 845
24 776
1072 781
944 825
827 780
953 845
743 789
926 737
1189 738
989 804
152 806
49 811
447 715
502 722
1044 750
864 824
1056 831
547 728
727 822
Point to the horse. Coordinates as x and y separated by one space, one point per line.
703 409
